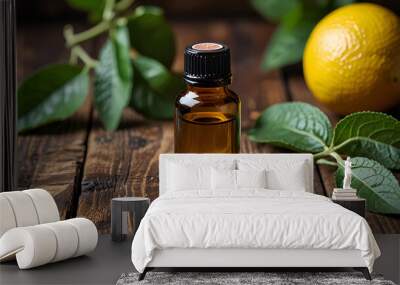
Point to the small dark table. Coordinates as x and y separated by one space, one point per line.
121 207
356 205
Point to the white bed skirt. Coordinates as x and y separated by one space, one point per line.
192 257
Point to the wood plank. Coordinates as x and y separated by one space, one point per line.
271 91
51 157
122 163
248 44
379 223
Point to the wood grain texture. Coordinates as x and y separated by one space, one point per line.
122 163
52 160
248 44
51 157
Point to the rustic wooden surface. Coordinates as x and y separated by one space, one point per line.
84 166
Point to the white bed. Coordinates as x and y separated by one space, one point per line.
248 227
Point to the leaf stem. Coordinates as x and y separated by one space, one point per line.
108 12
73 59
75 39
122 5
79 52
336 156
326 162
326 152
355 139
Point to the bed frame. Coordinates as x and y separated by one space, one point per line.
245 259
242 259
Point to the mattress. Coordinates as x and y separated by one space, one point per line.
251 219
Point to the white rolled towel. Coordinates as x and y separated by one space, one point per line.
7 218
45 206
40 244
26 208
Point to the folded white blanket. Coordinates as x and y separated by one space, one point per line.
250 219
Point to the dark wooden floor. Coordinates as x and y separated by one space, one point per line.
84 166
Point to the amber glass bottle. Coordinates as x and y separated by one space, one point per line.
207 116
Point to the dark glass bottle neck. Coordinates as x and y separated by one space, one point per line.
207 90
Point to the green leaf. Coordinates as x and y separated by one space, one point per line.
93 7
369 134
158 77
155 89
296 126
51 94
274 10
113 79
374 183
149 103
288 41
151 35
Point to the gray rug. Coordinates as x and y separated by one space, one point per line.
243 278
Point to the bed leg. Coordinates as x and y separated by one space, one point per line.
142 275
364 271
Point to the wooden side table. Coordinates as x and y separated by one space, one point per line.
356 205
120 209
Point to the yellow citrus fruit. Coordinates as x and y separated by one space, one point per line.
352 59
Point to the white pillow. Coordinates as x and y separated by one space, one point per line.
223 179
251 178
184 174
237 179
293 180
281 174
188 177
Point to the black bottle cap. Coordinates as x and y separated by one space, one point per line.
207 64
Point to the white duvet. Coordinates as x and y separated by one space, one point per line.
250 219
